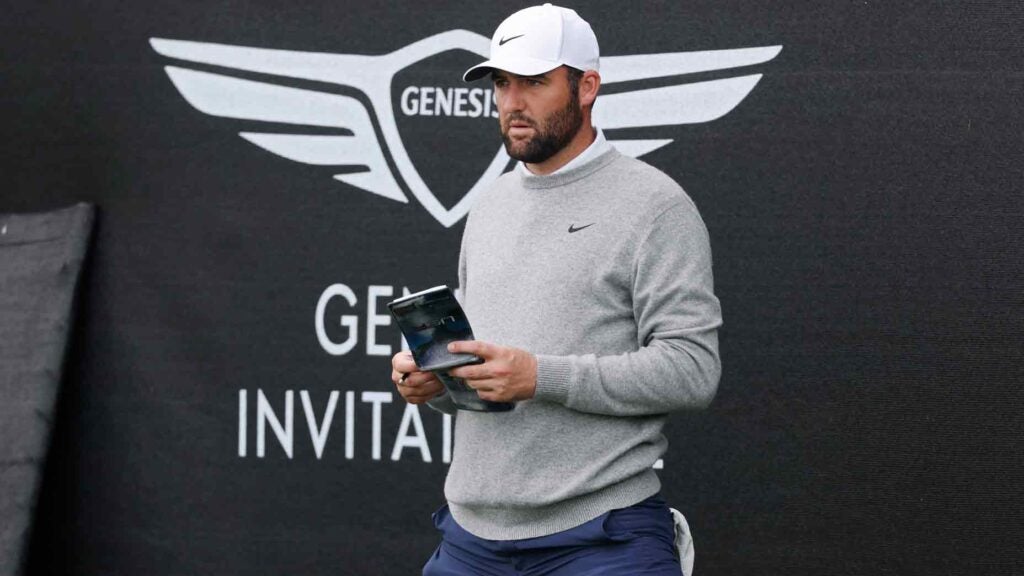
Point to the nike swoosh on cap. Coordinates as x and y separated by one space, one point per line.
504 40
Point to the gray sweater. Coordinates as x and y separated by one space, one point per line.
603 272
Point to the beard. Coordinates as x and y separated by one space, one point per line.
557 131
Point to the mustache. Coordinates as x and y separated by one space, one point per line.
517 117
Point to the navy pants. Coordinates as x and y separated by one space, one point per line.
632 541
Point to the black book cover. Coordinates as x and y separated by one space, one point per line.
430 320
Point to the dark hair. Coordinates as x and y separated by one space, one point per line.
575 74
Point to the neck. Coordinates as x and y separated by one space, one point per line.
584 138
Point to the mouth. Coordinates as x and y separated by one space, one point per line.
519 128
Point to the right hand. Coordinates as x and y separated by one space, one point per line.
418 386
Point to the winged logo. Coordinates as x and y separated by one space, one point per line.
269 100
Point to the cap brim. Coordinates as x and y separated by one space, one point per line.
518 66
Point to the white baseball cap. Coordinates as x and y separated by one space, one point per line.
539 39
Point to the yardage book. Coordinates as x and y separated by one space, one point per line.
429 320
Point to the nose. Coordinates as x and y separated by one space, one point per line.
510 99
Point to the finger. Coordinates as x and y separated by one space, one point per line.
399 378
492 396
484 385
404 364
416 380
471 372
427 389
422 394
417 398
478 347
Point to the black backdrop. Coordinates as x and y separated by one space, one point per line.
865 213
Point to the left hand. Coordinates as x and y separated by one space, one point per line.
506 375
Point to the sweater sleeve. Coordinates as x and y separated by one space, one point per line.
676 364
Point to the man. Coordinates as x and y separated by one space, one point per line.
587 277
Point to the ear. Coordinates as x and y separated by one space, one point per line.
590 83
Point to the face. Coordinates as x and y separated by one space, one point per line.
539 115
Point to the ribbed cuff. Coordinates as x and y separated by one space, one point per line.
554 378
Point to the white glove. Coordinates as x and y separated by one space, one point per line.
683 542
